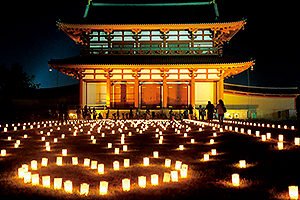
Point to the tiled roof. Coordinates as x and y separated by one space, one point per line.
145 60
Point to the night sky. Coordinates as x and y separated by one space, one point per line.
29 36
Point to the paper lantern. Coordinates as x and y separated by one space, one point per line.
154 179
235 179
293 127
25 167
33 165
3 152
268 136
161 137
249 131
167 162
94 164
84 189
59 161
101 168
181 147
167 177
94 141
257 133
18 142
263 138
242 130
48 148
86 162
142 181
27 177
125 148
35 180
117 150
25 136
146 161
206 157
126 162
68 186
174 176
57 183
116 165
293 192
160 141
122 140
178 165
109 145
47 144
213 152
63 136
126 184
211 141
185 135
9 138
21 172
236 129
297 141
46 181
155 154
280 138
75 160
183 171
280 145
103 187
64 152
55 140
242 163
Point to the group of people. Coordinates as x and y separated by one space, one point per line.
210 108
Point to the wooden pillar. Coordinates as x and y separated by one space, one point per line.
192 92
165 92
136 92
108 88
221 86
80 91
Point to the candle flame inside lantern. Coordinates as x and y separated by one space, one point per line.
235 179
146 161
297 141
174 176
242 163
101 168
154 179
126 184
155 154
116 165
68 186
142 181
59 161
293 192
103 187
57 183
3 152
74 160
46 181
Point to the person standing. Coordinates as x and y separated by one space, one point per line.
221 111
210 111
201 113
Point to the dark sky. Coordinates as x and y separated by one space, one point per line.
29 36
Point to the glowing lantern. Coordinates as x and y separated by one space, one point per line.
3 152
192 141
68 186
297 141
57 183
235 179
84 189
280 138
5 129
116 165
213 152
160 141
178 165
103 187
9 138
18 142
293 192
142 181
35 180
185 135
167 177
75 160
280 145
161 137
25 167
64 152
155 154
181 147
183 171
154 179
257 133
109 145
59 161
126 184
34 165
146 161
167 162
21 172
25 136
47 144
86 162
242 163
211 141
55 140
125 148
126 163
27 177
94 141
94 164
206 157
174 176
242 130
101 168
236 129
48 148
122 140
268 136
46 181
263 138
117 150
63 136
293 127
249 131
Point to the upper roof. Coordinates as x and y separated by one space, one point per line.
201 11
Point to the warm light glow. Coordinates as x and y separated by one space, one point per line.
263 138
101 168
206 157
57 183
74 160
27 177
213 152
174 176
68 186
235 179
183 171
126 162
125 147
167 162
212 141
146 161
25 167
154 179
268 136
242 163
116 165
280 138
117 150
64 152
94 164
155 154
167 177
59 161
33 165
84 189
192 141
46 181
142 181
3 152
280 145
293 192
257 133
178 165
109 145
21 172
35 180
297 141
103 187
181 147
126 184
86 162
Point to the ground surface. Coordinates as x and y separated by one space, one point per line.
268 174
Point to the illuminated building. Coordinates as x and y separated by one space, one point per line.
151 55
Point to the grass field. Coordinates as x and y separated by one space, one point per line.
268 173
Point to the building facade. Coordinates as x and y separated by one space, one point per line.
168 57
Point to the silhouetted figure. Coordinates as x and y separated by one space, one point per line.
210 111
221 111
